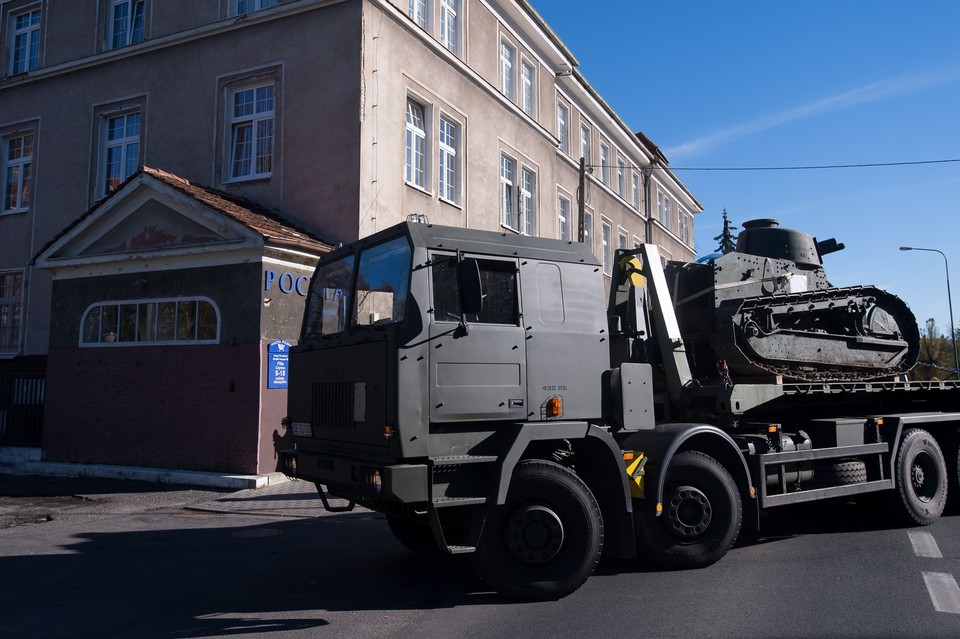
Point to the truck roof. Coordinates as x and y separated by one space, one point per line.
506 244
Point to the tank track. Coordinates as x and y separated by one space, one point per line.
856 333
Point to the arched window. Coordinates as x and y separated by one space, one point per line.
163 321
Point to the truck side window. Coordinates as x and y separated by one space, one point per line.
499 282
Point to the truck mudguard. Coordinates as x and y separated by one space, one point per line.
666 440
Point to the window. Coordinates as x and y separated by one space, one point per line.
607 241
252 112
326 309
622 239
125 22
663 209
383 279
11 308
605 163
176 320
683 226
587 229
17 163
25 42
528 84
498 281
621 178
585 143
121 150
528 209
246 6
508 197
563 124
450 24
417 10
507 58
636 190
449 139
563 218
414 171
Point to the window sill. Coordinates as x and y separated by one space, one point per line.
451 203
14 212
248 178
417 187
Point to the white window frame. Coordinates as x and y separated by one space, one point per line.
11 312
564 217
415 144
128 145
252 165
585 143
450 25
528 201
125 31
606 245
508 62
448 168
635 179
563 126
663 209
621 178
605 162
240 7
419 12
15 179
587 229
683 225
528 88
623 237
25 40
509 198
112 338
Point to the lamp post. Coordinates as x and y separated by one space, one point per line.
953 331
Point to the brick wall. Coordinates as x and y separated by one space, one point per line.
179 407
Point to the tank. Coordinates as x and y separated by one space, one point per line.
768 309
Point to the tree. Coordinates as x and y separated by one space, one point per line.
935 360
728 242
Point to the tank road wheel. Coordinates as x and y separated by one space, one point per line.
545 541
701 515
417 537
920 476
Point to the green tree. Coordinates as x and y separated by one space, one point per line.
728 243
935 360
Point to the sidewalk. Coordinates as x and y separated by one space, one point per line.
292 498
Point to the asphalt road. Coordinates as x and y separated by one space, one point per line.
129 560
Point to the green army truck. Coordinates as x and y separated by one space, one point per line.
482 391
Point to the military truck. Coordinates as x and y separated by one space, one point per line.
482 391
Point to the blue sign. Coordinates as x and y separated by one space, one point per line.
279 352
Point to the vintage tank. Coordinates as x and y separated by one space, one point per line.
768 309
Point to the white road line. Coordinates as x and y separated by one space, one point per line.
924 544
944 591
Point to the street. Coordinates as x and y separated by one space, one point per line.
134 560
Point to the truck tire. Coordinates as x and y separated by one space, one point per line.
920 476
841 473
545 541
701 515
416 536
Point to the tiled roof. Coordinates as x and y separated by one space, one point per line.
650 146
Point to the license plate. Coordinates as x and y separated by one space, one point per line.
302 429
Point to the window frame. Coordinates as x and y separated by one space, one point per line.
252 121
448 167
415 144
527 203
528 87
621 177
605 165
24 174
635 183
509 190
451 38
102 342
32 32
606 245
12 312
563 126
564 221
104 186
130 28
419 12
258 5
508 63
586 143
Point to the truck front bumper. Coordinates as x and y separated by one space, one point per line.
360 480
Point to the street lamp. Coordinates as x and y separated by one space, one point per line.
953 331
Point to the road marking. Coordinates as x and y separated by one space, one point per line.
944 591
924 544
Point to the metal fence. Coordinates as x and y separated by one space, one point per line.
21 409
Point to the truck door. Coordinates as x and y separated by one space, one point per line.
477 371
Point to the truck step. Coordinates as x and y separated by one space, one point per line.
446 502
460 550
456 460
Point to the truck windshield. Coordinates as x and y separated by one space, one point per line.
326 312
383 278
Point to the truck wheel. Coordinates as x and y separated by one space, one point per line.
920 476
701 515
545 541
841 473
417 537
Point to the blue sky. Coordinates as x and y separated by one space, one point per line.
776 83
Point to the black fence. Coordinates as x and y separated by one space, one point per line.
21 409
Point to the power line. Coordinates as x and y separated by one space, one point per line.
784 168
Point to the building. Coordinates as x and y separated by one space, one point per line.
159 159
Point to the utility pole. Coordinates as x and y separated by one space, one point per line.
581 205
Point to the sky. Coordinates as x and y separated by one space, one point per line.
784 84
